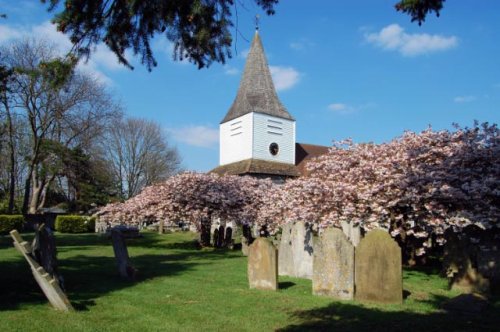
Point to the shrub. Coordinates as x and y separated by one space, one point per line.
74 224
10 222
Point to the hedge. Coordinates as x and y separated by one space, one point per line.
10 222
75 224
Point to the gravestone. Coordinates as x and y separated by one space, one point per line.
333 265
263 265
228 240
247 233
352 232
378 270
458 265
47 282
285 256
244 246
216 237
302 250
296 251
220 239
125 269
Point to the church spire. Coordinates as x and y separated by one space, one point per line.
256 92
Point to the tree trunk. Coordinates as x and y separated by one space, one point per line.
27 191
12 166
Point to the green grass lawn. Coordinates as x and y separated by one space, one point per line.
180 288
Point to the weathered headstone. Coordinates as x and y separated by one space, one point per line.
247 233
47 283
285 256
302 248
216 237
220 240
244 246
352 232
378 270
228 240
125 269
263 265
458 265
333 265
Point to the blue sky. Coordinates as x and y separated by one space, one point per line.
355 69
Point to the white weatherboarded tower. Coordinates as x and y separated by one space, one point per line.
257 135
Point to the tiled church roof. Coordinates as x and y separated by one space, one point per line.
256 92
306 152
257 167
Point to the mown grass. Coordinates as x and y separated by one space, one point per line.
180 288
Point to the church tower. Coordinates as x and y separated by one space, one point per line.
257 135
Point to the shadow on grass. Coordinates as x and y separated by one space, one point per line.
285 284
88 277
341 316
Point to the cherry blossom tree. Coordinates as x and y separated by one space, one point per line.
416 185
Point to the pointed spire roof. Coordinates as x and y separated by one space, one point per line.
256 92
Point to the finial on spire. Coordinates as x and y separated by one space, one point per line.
257 17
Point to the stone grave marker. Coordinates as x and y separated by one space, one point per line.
244 246
47 283
333 265
228 240
126 270
378 269
285 257
263 265
215 237
220 239
458 265
352 232
296 251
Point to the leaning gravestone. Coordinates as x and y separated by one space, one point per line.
263 265
125 269
378 270
333 265
285 257
48 284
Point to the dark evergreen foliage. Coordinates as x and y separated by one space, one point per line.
419 9
199 29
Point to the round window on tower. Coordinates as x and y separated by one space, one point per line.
274 149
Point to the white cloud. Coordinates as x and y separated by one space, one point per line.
201 136
7 33
301 45
284 78
341 108
101 58
464 99
229 70
163 45
394 38
296 46
243 54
